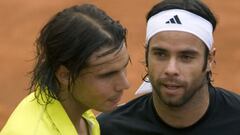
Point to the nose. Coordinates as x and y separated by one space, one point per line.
172 68
122 82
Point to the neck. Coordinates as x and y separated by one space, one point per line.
186 114
74 109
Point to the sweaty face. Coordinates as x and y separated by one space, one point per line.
175 67
101 85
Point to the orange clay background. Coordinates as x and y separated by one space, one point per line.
21 20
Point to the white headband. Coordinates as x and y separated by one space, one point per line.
180 20
177 20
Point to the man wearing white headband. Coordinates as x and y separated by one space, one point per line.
180 98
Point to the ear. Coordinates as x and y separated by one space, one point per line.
62 75
211 59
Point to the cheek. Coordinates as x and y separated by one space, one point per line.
97 90
154 68
90 95
194 75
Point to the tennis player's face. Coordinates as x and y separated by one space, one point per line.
100 86
175 67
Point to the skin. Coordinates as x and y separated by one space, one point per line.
175 68
100 86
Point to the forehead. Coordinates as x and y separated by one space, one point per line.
99 57
176 40
112 61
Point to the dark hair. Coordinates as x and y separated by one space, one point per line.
69 39
195 6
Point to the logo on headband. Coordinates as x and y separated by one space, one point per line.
174 20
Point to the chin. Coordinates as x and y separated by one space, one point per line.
107 109
111 109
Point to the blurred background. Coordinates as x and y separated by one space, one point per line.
21 21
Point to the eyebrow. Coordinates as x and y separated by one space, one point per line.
125 65
187 51
129 60
114 71
158 49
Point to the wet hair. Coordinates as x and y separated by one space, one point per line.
69 39
194 6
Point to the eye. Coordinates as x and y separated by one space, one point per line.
107 75
160 55
187 58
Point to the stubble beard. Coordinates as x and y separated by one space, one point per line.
189 93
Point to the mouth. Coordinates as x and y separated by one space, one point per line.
172 89
172 86
115 99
